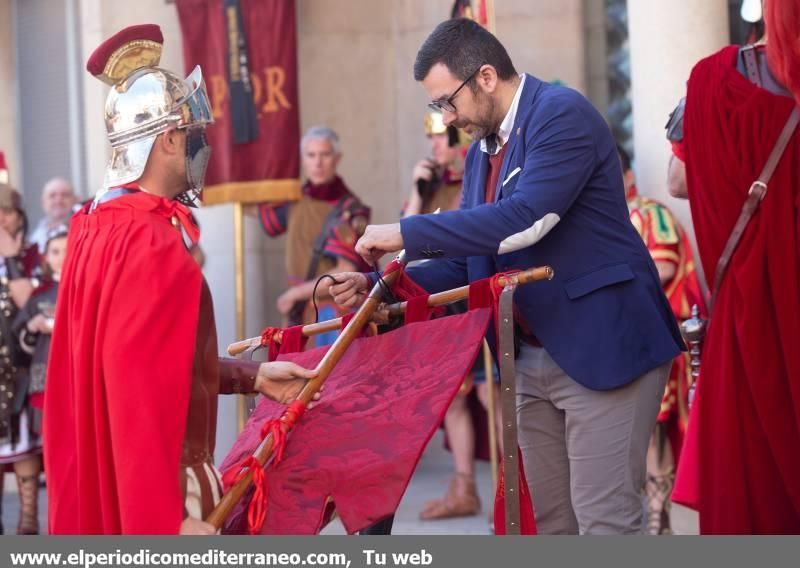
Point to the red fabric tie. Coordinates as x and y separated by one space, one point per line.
347 318
184 217
405 289
271 338
417 309
257 509
278 428
293 340
485 293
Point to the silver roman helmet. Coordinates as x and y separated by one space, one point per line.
145 101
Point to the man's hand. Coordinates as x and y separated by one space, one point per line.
10 246
193 526
351 290
282 381
39 324
379 240
286 301
423 170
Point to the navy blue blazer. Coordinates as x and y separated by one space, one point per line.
560 201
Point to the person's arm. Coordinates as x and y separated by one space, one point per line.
666 270
302 292
676 171
433 276
20 290
560 158
237 376
440 275
28 324
280 381
20 286
676 178
422 171
273 218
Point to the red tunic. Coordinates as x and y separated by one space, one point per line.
741 464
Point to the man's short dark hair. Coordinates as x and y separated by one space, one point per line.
462 45
625 158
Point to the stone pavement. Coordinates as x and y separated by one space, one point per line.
429 482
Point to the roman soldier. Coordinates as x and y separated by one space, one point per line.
133 376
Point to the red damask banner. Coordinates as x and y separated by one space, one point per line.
357 449
248 52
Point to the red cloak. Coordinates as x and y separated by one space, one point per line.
741 465
120 371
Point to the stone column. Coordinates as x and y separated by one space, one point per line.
666 40
8 94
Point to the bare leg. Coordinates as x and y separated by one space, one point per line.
461 435
483 396
660 479
462 497
27 471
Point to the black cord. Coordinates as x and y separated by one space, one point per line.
388 296
314 294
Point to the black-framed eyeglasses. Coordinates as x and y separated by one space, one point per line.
442 105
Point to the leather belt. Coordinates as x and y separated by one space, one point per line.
508 403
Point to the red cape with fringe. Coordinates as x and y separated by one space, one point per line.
120 371
741 465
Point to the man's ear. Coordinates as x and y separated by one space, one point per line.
170 141
487 78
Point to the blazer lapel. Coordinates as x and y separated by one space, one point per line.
477 194
529 90
507 160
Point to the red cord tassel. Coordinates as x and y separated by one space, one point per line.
278 428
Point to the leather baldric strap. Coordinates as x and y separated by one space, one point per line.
754 197
750 57
508 403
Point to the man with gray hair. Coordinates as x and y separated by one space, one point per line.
322 229
58 202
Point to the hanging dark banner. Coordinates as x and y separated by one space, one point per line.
244 120
248 52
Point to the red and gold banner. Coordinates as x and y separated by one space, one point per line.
267 167
482 11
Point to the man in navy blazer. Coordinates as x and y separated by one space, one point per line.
543 186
